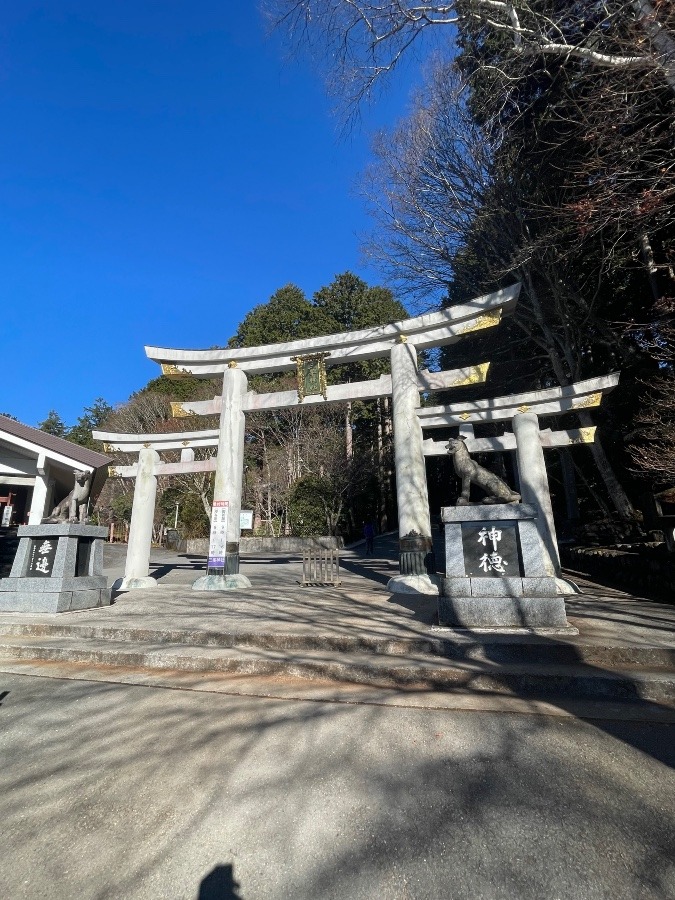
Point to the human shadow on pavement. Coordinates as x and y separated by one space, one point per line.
3 695
219 884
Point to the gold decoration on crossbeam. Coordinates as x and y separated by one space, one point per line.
172 371
524 408
586 436
185 443
112 472
311 371
465 416
178 411
487 320
402 339
591 400
232 364
477 375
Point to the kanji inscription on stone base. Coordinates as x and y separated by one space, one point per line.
42 555
491 550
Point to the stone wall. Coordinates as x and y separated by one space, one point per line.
200 546
637 568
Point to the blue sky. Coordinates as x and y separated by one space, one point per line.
164 167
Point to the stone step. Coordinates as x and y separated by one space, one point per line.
459 646
416 671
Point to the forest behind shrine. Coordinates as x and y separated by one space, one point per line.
538 148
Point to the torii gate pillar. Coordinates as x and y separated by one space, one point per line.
534 487
414 523
137 567
228 482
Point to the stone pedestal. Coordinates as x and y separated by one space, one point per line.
496 572
57 568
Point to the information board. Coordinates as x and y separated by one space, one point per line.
218 539
246 519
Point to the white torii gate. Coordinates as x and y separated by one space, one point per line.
400 341
150 464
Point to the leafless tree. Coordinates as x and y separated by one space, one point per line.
654 439
368 38
442 194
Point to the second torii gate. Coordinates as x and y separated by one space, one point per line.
523 411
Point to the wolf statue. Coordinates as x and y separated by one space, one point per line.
470 472
73 508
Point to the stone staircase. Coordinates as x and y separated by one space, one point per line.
444 661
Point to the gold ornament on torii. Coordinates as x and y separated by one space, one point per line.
311 372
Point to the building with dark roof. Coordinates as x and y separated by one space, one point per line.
37 471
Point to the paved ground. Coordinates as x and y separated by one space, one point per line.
124 791
115 792
618 633
601 614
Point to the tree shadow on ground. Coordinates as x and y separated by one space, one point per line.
322 801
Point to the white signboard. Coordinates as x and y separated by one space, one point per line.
218 538
246 519
7 516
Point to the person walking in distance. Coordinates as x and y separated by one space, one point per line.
369 535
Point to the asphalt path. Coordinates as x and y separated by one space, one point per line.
114 791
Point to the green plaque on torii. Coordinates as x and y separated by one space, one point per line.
311 372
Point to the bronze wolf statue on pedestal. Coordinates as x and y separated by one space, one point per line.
470 472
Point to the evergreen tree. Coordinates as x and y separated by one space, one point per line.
287 316
53 424
93 417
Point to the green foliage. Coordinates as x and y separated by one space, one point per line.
307 505
192 519
288 315
121 507
177 389
53 424
93 417
350 304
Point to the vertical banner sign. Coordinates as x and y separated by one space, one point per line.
218 540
